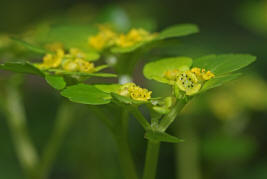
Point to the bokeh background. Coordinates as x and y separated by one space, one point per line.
224 130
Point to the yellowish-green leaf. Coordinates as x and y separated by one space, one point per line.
156 70
86 94
56 82
222 64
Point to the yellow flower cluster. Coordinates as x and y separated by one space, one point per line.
189 81
52 60
202 74
134 37
106 37
73 61
135 92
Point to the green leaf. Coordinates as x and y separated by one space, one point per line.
177 31
108 88
30 46
221 64
86 94
92 56
56 82
161 136
218 81
21 67
156 70
63 72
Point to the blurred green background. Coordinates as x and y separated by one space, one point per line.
224 130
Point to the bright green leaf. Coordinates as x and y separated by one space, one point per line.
221 64
81 74
161 136
108 88
86 94
126 100
30 46
156 70
21 67
56 82
218 81
177 31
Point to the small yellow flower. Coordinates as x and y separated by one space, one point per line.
105 38
70 66
187 81
85 66
202 74
208 75
135 92
52 60
134 37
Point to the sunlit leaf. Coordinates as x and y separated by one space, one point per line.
177 31
221 64
81 74
86 94
218 81
56 82
30 46
21 67
161 136
156 70
108 88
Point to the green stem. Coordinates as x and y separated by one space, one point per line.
125 155
152 153
62 124
168 119
120 133
140 118
16 120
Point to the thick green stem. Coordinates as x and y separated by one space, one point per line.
16 120
151 162
170 117
140 118
62 124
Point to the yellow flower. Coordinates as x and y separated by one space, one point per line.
85 66
52 60
105 38
134 37
78 65
135 92
187 81
70 65
202 74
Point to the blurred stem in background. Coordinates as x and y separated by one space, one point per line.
26 152
119 129
187 159
62 124
16 119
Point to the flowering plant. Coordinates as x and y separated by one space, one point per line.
67 69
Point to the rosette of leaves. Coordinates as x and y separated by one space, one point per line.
57 78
